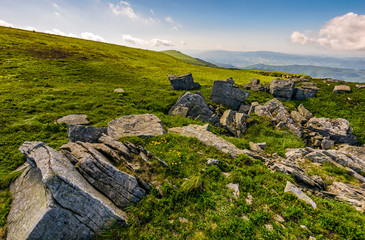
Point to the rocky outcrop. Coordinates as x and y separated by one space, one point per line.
224 92
254 85
306 90
51 200
195 107
84 133
305 113
281 88
183 82
336 130
74 119
349 193
275 110
342 89
234 122
135 125
291 188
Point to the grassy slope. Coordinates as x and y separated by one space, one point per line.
186 58
44 77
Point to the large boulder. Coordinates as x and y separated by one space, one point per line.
183 82
224 92
342 89
85 133
275 110
254 85
305 91
51 200
74 119
281 88
195 107
337 130
234 122
135 125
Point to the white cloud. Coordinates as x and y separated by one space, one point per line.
123 9
5 24
55 5
175 25
169 20
92 36
152 43
345 32
182 42
56 32
57 14
29 28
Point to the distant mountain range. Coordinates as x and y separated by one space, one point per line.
348 69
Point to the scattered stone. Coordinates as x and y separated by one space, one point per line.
245 218
254 85
195 107
244 109
225 93
235 188
212 161
226 174
234 122
119 90
269 227
135 125
360 86
252 108
338 130
281 88
305 91
279 218
298 117
342 89
296 191
85 133
74 119
349 193
183 82
249 199
304 112
257 147
312 238
183 220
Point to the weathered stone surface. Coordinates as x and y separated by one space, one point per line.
342 89
252 107
212 161
183 82
235 187
135 125
338 130
51 200
275 110
234 122
304 112
298 117
225 93
281 88
74 119
258 147
296 191
254 85
244 108
349 193
84 133
305 91
119 90
195 107
360 86
203 134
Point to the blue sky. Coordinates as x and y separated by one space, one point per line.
307 27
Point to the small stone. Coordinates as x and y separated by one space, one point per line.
74 119
269 227
183 220
244 217
249 199
258 147
279 218
227 174
360 86
235 188
296 191
342 89
212 161
119 90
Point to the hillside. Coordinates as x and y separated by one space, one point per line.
188 59
354 75
44 77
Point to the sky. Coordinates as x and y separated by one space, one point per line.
311 27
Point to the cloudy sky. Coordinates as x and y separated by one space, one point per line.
325 27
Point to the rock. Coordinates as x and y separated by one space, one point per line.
258 147
298 117
51 200
119 90
183 82
338 130
235 189
203 134
327 144
85 133
249 199
225 93
244 108
269 227
254 85
305 91
135 125
275 110
279 218
212 161
296 191
360 86
195 107
342 89
183 220
304 112
349 193
252 108
234 122
74 119
281 88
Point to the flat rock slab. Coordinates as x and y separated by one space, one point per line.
135 125
85 133
342 89
74 119
296 191
203 134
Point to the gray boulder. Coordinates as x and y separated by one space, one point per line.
195 107
224 92
234 122
74 119
183 82
281 88
51 200
304 112
338 130
291 188
85 133
135 125
342 89
307 90
254 85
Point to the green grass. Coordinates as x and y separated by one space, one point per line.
186 58
44 77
